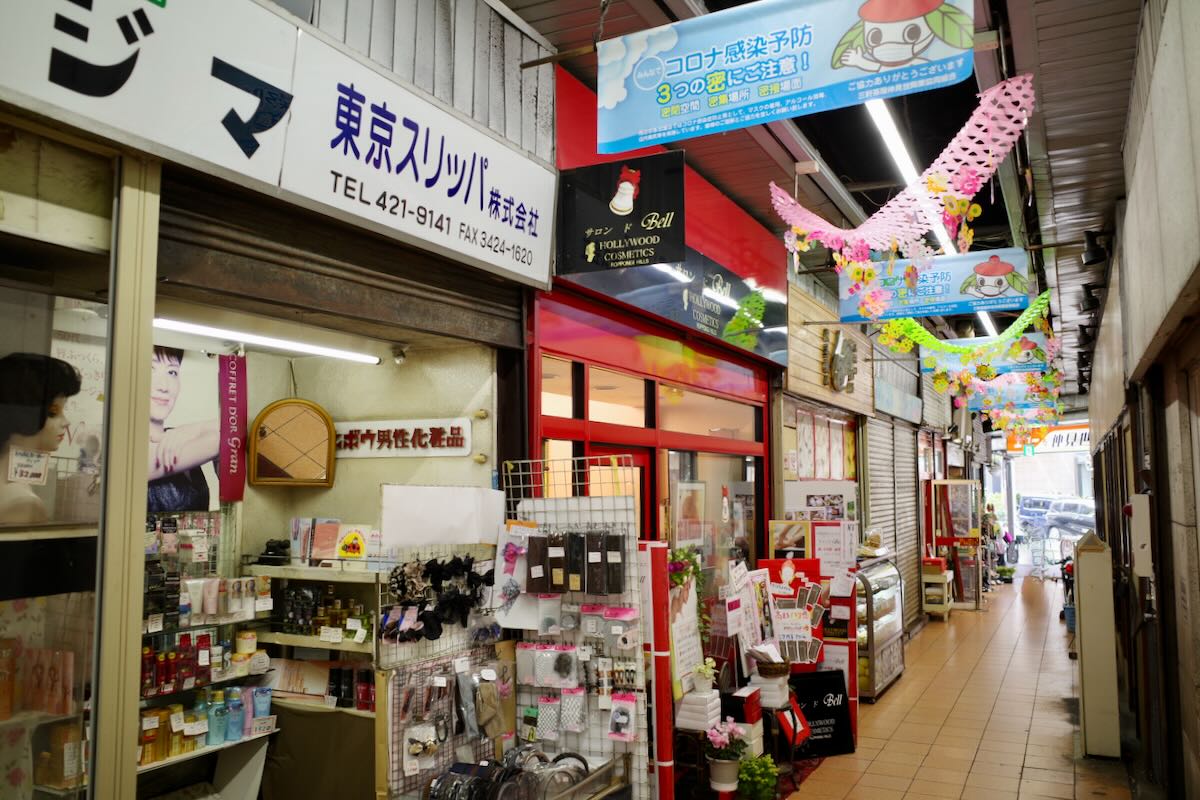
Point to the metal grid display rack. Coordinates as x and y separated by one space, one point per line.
577 494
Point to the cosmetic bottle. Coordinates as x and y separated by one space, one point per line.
148 684
233 722
218 716
160 672
203 659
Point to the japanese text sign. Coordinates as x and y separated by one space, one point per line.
995 280
398 438
621 214
1025 354
772 60
241 90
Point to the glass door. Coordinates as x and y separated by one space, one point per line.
636 481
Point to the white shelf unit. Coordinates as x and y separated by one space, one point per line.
347 645
333 574
202 751
931 603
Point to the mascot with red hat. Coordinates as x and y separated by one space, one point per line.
894 33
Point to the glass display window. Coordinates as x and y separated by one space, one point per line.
685 411
616 398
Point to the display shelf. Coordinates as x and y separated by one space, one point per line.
315 642
201 627
336 574
45 532
35 718
932 606
203 751
305 705
50 790
227 679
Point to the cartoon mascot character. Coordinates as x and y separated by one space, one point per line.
894 33
993 278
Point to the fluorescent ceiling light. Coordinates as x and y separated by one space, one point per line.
262 341
886 125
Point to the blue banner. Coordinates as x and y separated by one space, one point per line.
1016 393
1026 354
988 280
775 59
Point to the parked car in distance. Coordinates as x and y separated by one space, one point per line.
1068 520
1031 516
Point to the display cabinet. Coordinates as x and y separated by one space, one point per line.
953 527
880 627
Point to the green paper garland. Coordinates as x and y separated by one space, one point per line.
908 328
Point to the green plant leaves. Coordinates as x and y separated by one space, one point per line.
952 25
1018 283
855 37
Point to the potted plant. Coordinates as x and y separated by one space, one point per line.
724 747
704 674
758 778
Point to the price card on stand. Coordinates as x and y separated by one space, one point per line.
261 725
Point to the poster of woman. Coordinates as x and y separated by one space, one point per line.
184 431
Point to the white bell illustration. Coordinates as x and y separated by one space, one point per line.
627 190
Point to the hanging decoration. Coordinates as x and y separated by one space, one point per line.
942 195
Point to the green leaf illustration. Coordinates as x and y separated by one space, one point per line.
1018 283
952 25
855 37
967 284
743 329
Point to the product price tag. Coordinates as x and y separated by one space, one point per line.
353 624
331 635
617 630
483 567
462 664
330 701
199 547
557 552
189 683
487 674
584 652
168 687
155 623
28 466
261 725
439 681
594 557
195 728
360 636
536 571
411 765
177 722
614 556
71 760
202 657
149 722
264 603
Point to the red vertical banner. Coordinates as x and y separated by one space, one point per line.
232 465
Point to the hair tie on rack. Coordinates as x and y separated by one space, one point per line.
509 594
511 552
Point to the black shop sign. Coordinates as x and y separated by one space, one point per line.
823 699
626 213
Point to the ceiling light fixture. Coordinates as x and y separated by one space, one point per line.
262 341
886 125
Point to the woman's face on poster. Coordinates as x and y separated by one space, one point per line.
164 386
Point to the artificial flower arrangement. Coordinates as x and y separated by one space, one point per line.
683 565
707 668
725 741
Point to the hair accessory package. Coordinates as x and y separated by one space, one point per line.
547 720
621 628
525 658
549 614
591 620
556 560
536 553
566 667
614 555
543 666
596 574
576 561
569 620
621 717
571 709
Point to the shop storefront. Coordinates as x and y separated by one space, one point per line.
295 334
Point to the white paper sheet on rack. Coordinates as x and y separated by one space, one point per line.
418 516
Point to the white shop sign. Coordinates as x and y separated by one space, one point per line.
237 89
403 438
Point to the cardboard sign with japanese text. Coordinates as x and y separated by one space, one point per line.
244 91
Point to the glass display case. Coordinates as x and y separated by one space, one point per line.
880 627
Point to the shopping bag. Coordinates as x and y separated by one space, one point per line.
792 724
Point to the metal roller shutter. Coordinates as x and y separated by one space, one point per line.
881 490
908 537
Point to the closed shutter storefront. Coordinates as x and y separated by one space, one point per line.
908 537
881 488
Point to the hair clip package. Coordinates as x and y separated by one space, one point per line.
597 576
543 666
614 557
621 717
576 560
549 614
487 706
572 710
536 553
468 684
566 667
621 628
556 560
525 659
569 620
547 719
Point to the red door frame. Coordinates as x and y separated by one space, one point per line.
602 438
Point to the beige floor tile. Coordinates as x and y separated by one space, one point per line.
935 788
998 746
875 793
1044 789
872 781
1008 783
983 793
1091 791
813 789
915 732
982 767
1049 775
935 761
942 775
895 770
1046 760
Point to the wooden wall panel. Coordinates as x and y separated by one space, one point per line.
805 373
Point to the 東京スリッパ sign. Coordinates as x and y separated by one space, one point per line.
775 59
621 214
241 90
403 438
991 280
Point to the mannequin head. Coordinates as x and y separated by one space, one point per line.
164 382
33 392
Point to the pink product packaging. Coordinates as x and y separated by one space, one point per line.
622 719
572 711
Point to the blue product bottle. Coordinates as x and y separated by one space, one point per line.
217 722
233 722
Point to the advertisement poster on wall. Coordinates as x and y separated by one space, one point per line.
774 59
996 280
184 431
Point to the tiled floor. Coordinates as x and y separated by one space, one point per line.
984 711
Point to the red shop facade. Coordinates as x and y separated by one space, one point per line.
615 372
